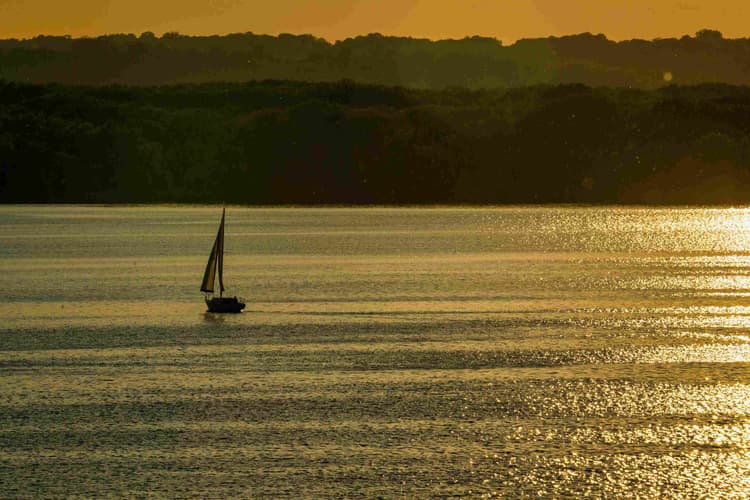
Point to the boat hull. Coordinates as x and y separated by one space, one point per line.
225 305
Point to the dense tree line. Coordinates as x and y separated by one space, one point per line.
281 142
374 59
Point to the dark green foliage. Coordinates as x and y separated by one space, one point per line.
375 59
281 142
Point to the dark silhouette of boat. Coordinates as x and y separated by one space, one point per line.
214 268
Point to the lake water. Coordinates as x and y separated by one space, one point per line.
383 352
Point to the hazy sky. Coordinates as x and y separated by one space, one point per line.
507 20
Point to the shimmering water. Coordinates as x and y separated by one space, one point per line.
384 352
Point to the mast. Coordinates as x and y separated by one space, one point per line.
220 260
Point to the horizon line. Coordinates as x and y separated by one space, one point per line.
384 35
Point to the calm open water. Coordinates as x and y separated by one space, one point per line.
392 352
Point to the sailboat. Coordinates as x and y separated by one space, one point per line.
214 268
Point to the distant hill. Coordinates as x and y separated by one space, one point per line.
374 59
277 142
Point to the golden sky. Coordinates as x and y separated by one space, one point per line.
507 20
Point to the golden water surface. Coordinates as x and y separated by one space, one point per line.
383 352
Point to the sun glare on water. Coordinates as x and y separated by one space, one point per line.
400 352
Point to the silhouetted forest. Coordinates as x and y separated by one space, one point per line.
374 59
289 142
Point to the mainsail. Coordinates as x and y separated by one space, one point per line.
215 262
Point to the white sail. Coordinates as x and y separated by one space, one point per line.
215 263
